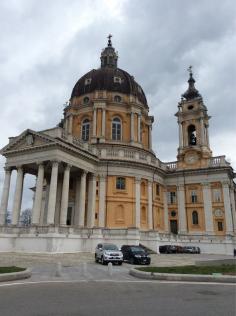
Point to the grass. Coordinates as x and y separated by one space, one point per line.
10 269
223 269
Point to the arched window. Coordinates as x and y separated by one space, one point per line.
116 129
85 130
192 135
195 217
117 98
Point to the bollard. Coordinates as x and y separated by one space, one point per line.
58 269
85 270
110 269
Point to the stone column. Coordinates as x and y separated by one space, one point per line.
94 122
52 193
207 201
150 136
91 201
103 122
82 199
150 213
139 127
102 197
5 196
132 126
38 195
180 135
232 201
65 195
77 200
18 196
137 204
166 215
228 210
181 209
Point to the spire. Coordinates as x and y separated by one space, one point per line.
191 92
109 55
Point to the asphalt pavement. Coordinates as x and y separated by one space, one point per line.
126 298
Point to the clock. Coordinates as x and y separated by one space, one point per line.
191 158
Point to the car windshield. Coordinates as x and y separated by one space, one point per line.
110 247
137 249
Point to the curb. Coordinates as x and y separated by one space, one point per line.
182 277
15 275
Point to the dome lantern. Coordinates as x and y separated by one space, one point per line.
109 56
191 92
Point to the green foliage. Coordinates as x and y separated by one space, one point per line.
224 269
10 269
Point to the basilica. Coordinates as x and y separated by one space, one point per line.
98 178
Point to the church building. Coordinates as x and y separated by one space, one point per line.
98 178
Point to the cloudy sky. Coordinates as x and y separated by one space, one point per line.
46 46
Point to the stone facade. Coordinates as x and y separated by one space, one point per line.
99 179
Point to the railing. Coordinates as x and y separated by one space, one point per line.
169 166
218 161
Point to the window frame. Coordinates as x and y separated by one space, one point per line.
195 218
85 130
120 183
115 125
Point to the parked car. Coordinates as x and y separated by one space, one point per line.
106 252
135 254
168 249
191 249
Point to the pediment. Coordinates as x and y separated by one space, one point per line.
28 140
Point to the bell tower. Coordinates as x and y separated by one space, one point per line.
194 148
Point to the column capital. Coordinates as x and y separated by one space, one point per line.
55 162
102 177
225 183
7 169
67 166
180 187
137 179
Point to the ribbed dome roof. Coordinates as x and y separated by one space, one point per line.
109 78
103 79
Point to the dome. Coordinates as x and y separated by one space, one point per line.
105 79
109 78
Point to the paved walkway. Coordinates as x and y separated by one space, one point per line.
81 266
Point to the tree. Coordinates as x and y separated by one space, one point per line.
25 217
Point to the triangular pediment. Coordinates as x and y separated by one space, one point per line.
29 139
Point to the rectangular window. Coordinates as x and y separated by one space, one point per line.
157 189
216 195
120 183
194 197
220 226
171 197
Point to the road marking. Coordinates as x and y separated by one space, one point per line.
113 281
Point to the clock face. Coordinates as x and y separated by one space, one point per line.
191 158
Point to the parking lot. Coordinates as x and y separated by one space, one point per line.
81 266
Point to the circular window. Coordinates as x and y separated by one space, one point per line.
117 98
173 213
190 107
86 100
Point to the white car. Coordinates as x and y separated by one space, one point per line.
108 253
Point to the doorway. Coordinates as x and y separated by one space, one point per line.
174 226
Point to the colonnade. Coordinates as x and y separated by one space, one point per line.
80 196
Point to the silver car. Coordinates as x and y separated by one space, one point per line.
105 253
